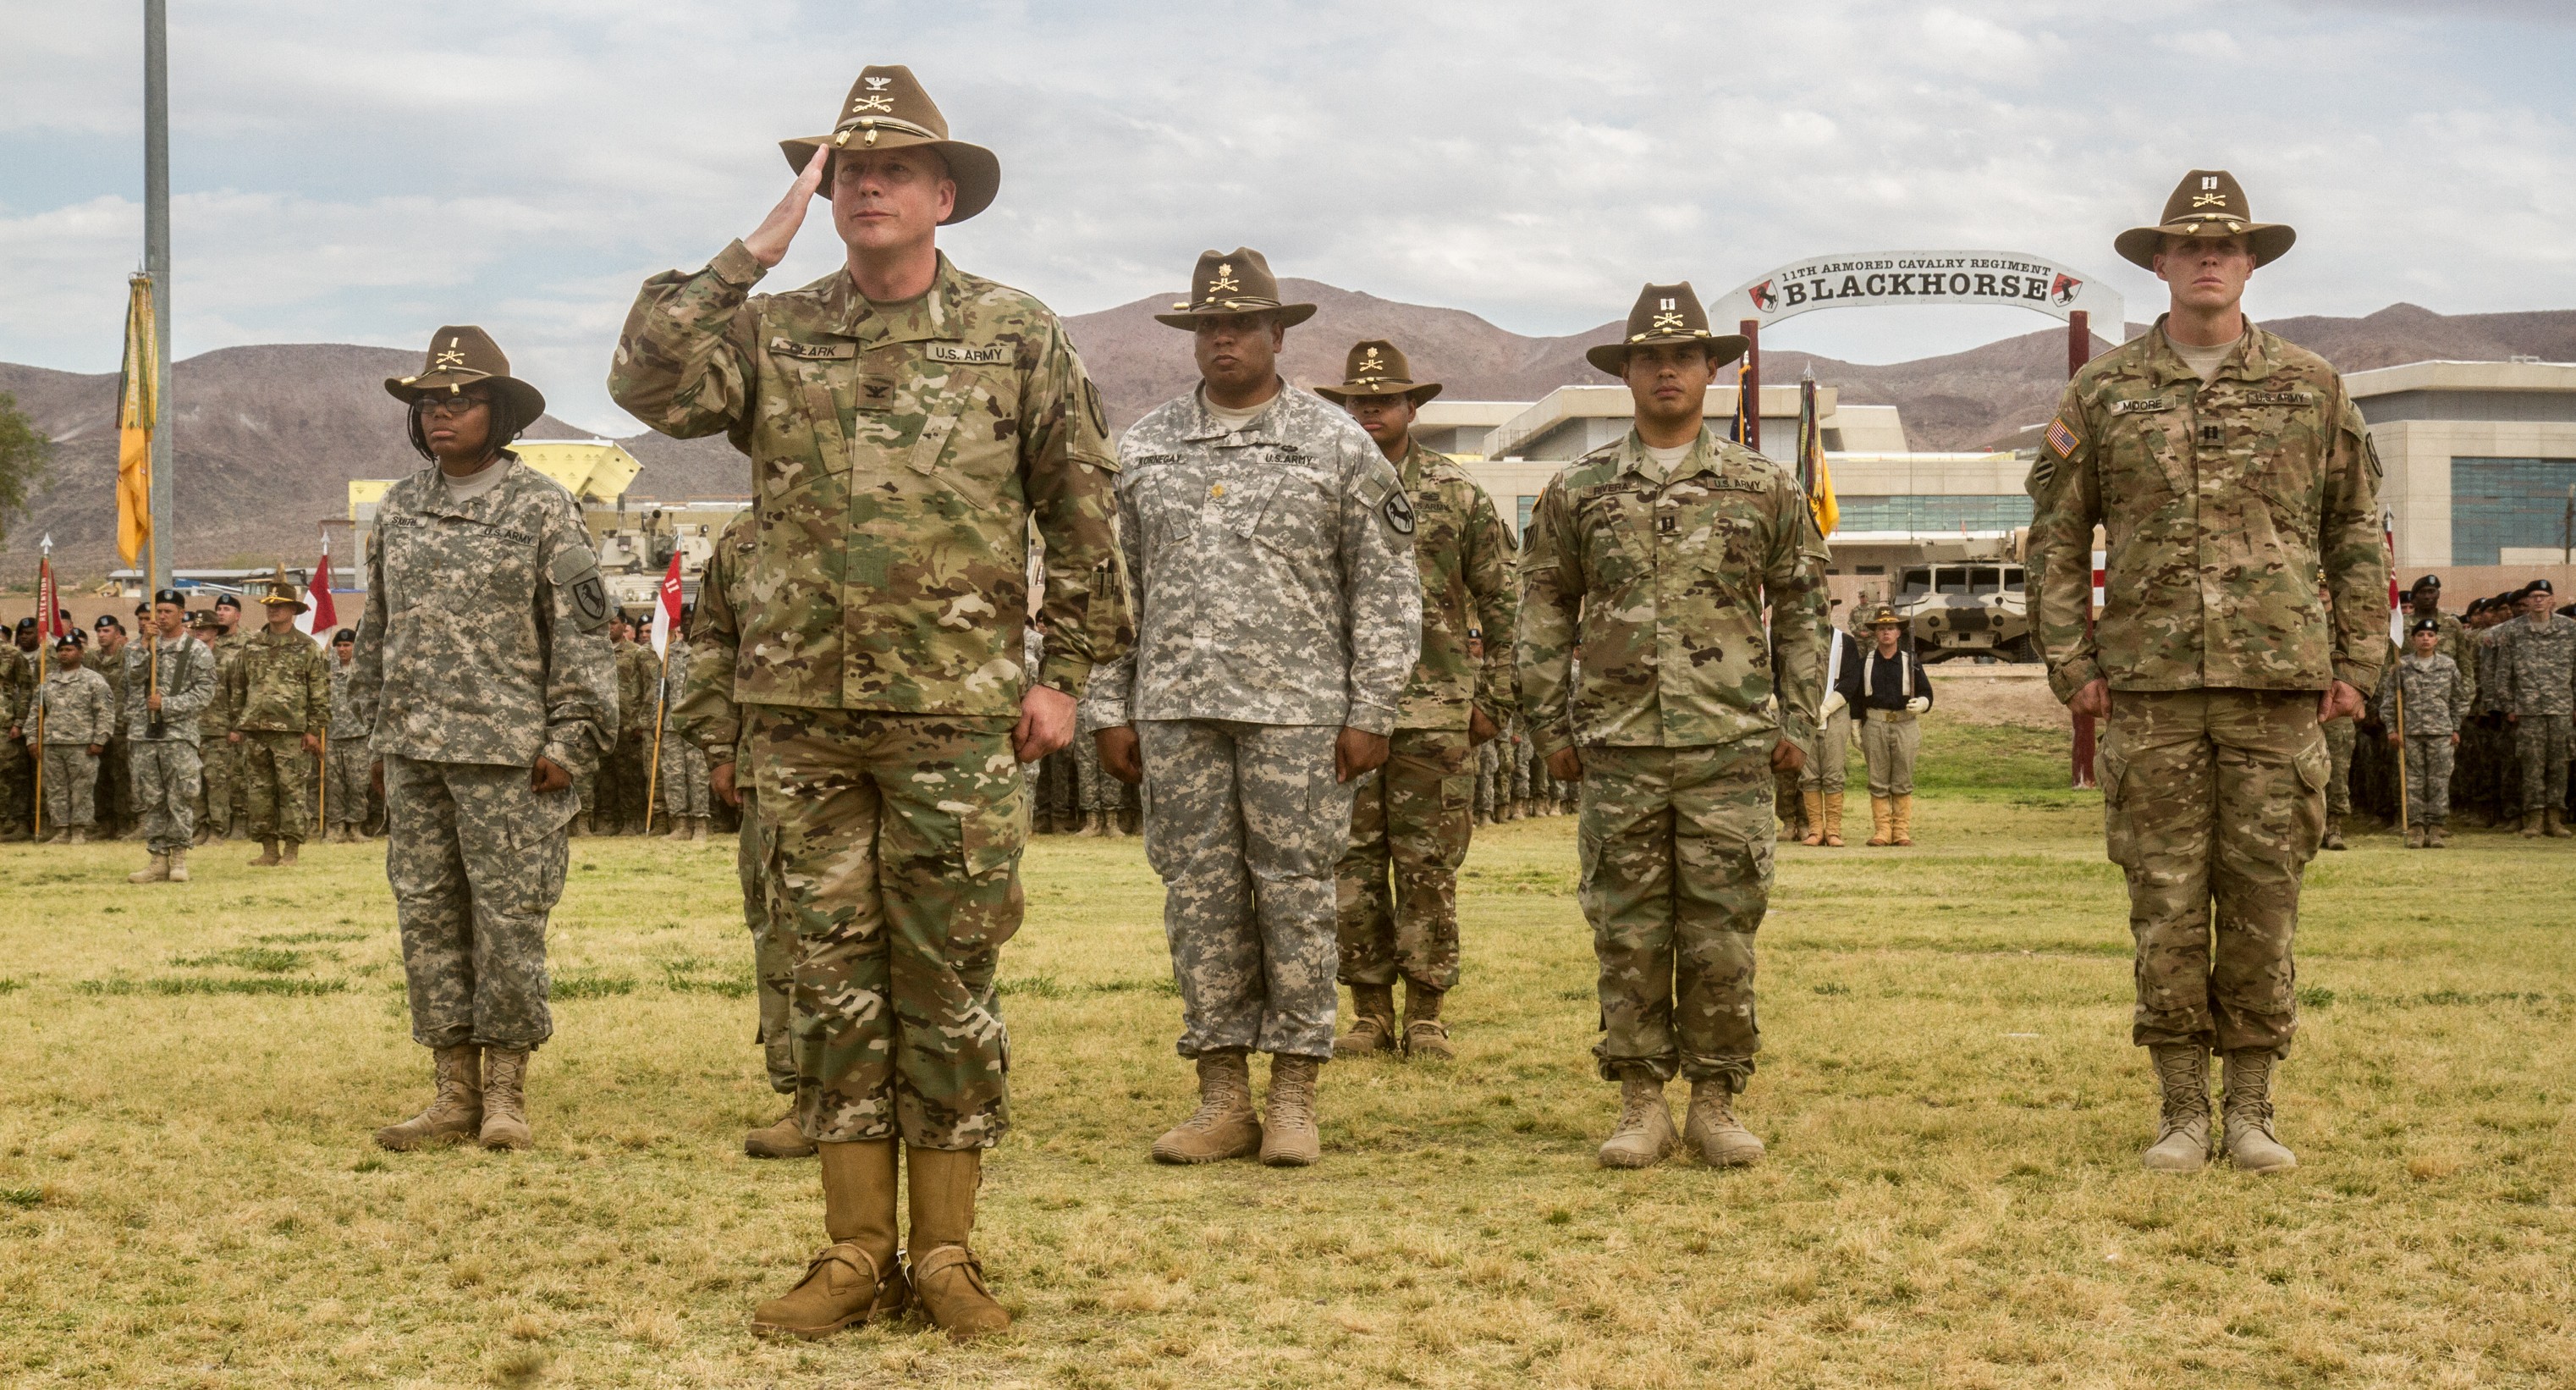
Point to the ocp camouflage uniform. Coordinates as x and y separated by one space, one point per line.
482 648
163 749
2223 501
618 802
280 694
684 766
2436 708
216 783
115 767
347 765
78 710
1277 603
1663 585
2538 663
1417 812
1489 762
899 453
18 751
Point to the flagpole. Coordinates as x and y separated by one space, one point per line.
156 257
45 605
653 773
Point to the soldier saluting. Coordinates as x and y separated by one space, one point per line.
906 423
2229 469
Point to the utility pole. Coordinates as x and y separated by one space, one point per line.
2567 530
156 263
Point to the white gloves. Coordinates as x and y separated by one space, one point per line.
1834 704
1918 704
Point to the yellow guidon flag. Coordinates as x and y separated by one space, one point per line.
138 413
1813 475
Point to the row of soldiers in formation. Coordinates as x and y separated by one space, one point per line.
1256 603
276 745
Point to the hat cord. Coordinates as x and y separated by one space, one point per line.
874 125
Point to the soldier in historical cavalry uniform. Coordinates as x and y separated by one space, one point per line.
2424 703
906 423
347 764
483 681
1411 819
280 698
683 766
1822 778
169 681
18 749
2536 659
77 711
115 797
2230 469
1889 692
1657 556
708 717
1278 615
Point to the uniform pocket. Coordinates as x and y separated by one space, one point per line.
2111 773
2313 767
989 899
1458 793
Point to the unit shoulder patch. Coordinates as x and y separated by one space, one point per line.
1398 510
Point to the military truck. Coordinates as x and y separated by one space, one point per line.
1959 604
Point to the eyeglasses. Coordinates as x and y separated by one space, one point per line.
448 405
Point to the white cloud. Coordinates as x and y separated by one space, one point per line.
366 173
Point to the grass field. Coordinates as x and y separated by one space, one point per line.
188 1194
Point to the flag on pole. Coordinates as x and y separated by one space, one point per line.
138 414
666 606
320 614
1745 404
49 605
1813 475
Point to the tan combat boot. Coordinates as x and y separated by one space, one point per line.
946 1276
2334 835
1289 1136
1833 820
2531 825
2248 1113
1720 1139
286 851
1372 1022
176 870
784 1139
505 1100
158 871
1900 820
2434 838
1645 1132
1880 814
1225 1125
697 830
2414 838
679 828
857 1276
456 1112
267 856
2553 824
1815 804
1426 1038
2182 1123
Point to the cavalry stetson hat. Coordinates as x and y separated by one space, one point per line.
459 356
2207 202
1666 314
1234 282
887 110
1376 368
1885 617
280 591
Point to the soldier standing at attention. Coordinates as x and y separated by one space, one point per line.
18 753
346 763
1278 612
280 693
215 727
620 808
1415 814
2436 706
79 712
169 679
1888 690
1828 764
115 794
2537 657
2230 469
684 768
1658 555
708 717
907 422
482 683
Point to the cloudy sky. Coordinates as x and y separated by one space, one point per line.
364 173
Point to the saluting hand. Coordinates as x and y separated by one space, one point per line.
769 241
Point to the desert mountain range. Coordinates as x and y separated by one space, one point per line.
269 436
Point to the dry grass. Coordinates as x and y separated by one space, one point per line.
188 1195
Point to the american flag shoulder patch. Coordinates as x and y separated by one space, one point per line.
2061 438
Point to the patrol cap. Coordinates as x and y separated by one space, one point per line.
888 110
2207 202
1666 314
170 596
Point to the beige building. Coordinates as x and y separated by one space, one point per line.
2478 459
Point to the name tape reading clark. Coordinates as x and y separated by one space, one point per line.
1871 279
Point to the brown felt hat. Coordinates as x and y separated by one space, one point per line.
2207 202
1666 314
459 356
1376 368
1234 282
887 110
282 592
1885 617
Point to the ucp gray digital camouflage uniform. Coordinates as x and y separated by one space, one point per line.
164 755
1277 603
2429 699
2537 661
483 648
345 759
